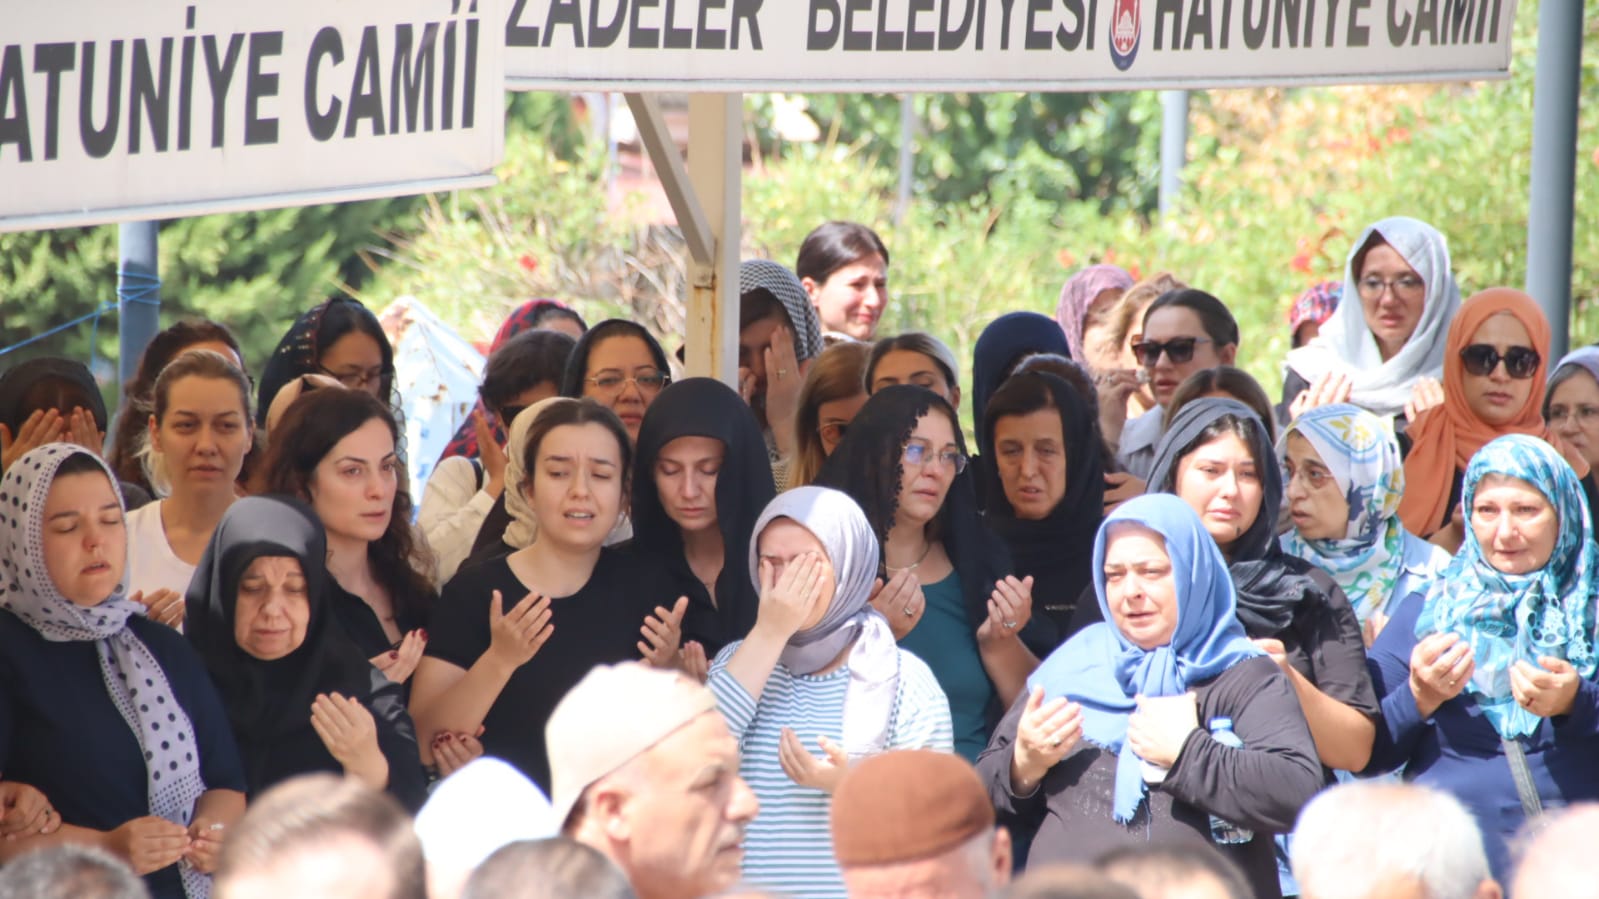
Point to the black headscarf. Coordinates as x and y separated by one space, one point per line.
269 703
300 353
1057 550
1269 587
578 365
17 382
867 466
705 407
1001 345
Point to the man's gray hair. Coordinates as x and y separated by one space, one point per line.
1556 862
1355 837
70 872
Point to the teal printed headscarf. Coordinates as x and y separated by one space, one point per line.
1360 451
1508 617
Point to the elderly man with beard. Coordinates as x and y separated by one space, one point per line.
644 770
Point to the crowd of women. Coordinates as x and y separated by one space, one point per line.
1151 604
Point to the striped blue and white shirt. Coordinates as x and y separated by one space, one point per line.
789 848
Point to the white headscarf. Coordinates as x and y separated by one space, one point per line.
133 677
1346 344
841 527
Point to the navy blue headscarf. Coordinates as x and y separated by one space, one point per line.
1001 345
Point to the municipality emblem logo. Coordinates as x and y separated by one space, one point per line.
1126 26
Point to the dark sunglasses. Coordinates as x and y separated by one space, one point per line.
1481 359
1178 350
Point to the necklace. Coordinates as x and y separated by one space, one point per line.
912 566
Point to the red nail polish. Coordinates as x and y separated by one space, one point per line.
424 634
394 654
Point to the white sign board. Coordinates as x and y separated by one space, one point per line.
994 45
163 108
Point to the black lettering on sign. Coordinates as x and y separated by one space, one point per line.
1168 10
220 73
564 12
149 94
1255 29
1332 22
887 39
14 105
259 84
1483 16
1426 20
1004 23
676 38
469 82
327 44
1457 21
1226 24
97 142
52 60
411 82
1071 40
1398 29
186 84
917 38
366 89
1036 38
1286 14
705 37
637 35
1358 35
982 24
447 103
855 39
815 37
952 38
1199 25
748 10
517 34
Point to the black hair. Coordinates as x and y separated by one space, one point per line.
134 418
1214 316
572 411
758 305
525 361
82 462
345 316
912 342
834 245
577 365
1236 383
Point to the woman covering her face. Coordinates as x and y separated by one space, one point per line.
948 592
1043 462
700 479
1398 300
1494 368
300 695
1102 751
1345 479
1218 458
109 714
817 682
1492 668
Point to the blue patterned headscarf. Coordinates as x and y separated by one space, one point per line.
1103 671
1360 451
1519 617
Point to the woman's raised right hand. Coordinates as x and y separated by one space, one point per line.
1441 666
148 844
515 637
787 598
1046 733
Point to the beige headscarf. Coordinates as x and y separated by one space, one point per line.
524 526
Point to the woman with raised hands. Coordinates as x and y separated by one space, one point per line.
1119 738
1495 363
109 714
700 479
199 432
949 594
1217 456
818 673
1043 461
1487 678
337 451
1384 353
512 635
299 694
1345 478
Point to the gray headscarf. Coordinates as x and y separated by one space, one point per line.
1346 344
847 538
764 274
133 677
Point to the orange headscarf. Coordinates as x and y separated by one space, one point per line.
1445 437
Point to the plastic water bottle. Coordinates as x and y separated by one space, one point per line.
1222 831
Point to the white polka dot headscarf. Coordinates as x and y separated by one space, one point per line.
134 679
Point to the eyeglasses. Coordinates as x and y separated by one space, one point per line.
1481 359
920 453
1406 285
1314 478
833 431
1178 350
355 380
1583 414
612 384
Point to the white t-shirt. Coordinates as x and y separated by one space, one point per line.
151 563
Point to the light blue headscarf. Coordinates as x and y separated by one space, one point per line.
1360 451
1103 671
1508 618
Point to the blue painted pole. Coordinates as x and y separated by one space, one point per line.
1173 146
138 293
1556 84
